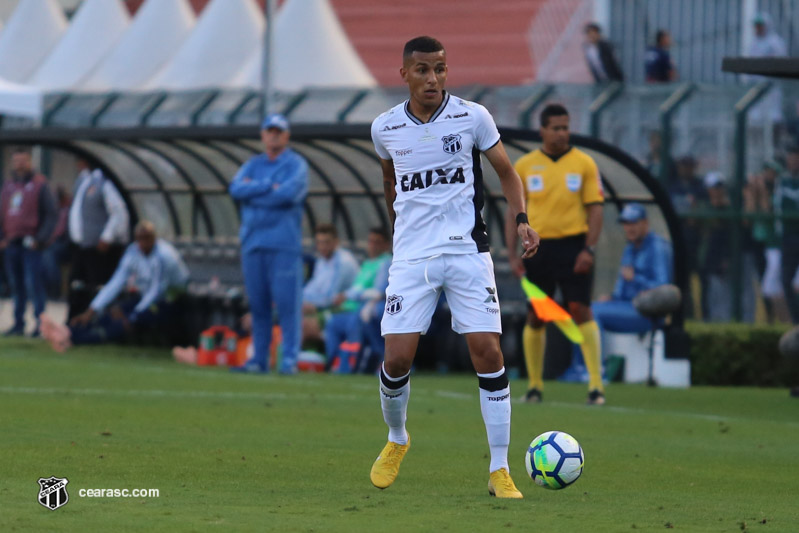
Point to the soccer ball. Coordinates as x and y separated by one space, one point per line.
554 460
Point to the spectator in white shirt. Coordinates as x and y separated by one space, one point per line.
141 294
599 56
334 271
99 228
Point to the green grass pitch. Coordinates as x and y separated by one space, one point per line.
269 453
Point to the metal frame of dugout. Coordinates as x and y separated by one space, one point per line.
178 178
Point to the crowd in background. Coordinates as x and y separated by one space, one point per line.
769 261
768 240
76 244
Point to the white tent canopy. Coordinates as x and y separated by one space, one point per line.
310 49
157 32
217 49
30 34
20 100
94 30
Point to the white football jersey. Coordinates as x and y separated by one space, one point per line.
439 179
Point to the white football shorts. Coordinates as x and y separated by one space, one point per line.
467 281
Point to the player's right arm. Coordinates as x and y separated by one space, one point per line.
387 165
389 188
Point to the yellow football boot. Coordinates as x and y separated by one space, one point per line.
501 485
387 464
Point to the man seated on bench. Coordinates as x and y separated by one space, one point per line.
140 294
645 264
345 330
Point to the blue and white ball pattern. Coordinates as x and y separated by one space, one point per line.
554 460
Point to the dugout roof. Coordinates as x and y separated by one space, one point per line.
178 177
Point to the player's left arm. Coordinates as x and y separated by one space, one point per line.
585 259
514 194
592 197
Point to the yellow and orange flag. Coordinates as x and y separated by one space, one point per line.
547 310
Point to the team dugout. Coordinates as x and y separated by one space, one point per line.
178 176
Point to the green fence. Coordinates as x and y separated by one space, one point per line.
730 129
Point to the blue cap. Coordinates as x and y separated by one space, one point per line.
632 213
714 179
275 120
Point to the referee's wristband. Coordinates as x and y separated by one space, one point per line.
521 218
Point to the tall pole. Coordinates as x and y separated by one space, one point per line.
266 70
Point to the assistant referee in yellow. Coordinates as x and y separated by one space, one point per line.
564 202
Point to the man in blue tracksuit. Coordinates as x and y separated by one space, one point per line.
270 189
645 264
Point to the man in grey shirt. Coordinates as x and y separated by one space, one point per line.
99 228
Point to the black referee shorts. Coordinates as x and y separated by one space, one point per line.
553 267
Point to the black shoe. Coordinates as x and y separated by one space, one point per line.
16 331
795 392
36 333
596 397
533 396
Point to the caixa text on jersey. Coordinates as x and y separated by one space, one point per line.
422 180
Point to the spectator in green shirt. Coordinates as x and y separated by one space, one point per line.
786 204
344 330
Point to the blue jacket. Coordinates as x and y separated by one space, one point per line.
651 263
271 195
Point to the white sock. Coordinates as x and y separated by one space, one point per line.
394 393
495 406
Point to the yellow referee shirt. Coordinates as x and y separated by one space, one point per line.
558 190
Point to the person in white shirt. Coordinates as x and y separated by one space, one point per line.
766 42
333 273
149 278
429 149
99 229
599 56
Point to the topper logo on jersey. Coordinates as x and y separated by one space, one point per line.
410 182
452 143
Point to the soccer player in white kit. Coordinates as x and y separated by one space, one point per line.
429 148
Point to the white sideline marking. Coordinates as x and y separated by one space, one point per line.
640 411
170 393
452 395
